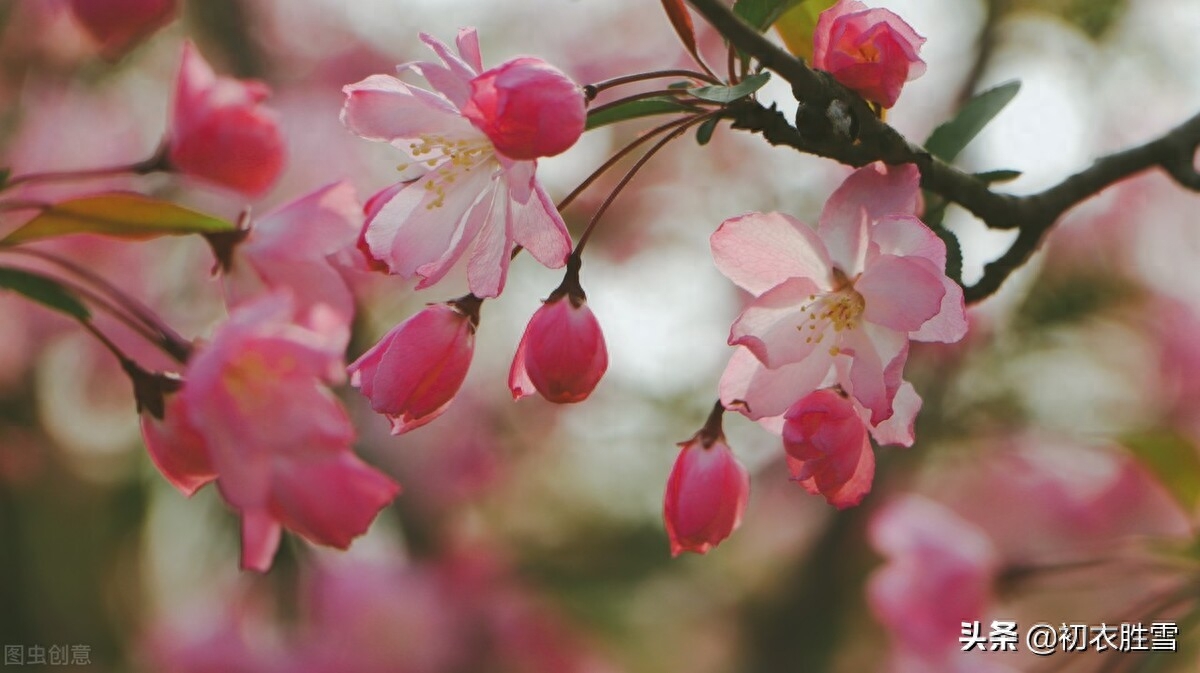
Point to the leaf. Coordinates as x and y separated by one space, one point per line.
682 22
797 25
760 14
1173 460
954 259
5 174
705 130
727 94
45 291
634 109
951 137
119 214
1002 175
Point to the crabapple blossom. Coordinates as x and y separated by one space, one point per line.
294 247
219 130
416 369
118 25
478 137
256 415
871 51
706 494
562 353
838 305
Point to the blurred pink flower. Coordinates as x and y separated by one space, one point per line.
562 353
416 369
706 495
871 51
118 25
219 131
294 247
837 305
255 413
473 194
939 573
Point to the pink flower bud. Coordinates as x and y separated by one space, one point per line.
527 108
416 369
706 495
118 25
828 450
562 353
219 130
871 51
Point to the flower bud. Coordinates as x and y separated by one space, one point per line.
561 354
706 495
416 369
871 51
829 452
118 25
527 108
220 132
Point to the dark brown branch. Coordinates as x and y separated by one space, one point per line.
836 123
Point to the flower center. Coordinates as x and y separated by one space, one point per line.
447 159
839 310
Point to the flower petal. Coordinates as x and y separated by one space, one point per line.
383 108
771 325
761 250
901 293
869 367
758 392
538 227
898 429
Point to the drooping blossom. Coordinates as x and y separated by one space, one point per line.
706 492
219 130
838 305
294 247
256 415
562 353
871 51
416 369
939 573
118 25
479 137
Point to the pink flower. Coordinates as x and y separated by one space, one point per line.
479 140
939 573
416 369
706 495
562 353
837 305
871 51
118 25
294 247
256 415
219 130
828 452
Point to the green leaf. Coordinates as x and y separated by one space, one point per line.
705 130
797 25
45 291
119 214
950 138
728 94
1002 175
5 174
634 109
761 14
1171 458
954 258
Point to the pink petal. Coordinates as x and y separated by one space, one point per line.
758 392
870 355
320 223
950 323
901 293
823 32
453 78
491 250
907 236
383 108
467 42
332 500
759 251
177 449
519 382
705 498
898 429
852 491
771 326
880 189
538 227
260 539
472 224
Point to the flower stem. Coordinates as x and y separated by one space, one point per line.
678 131
591 90
152 164
645 94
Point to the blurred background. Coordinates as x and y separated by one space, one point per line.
1062 435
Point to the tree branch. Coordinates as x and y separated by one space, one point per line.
836 123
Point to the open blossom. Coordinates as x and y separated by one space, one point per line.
256 415
706 494
118 25
871 51
219 130
479 138
837 305
415 370
294 247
